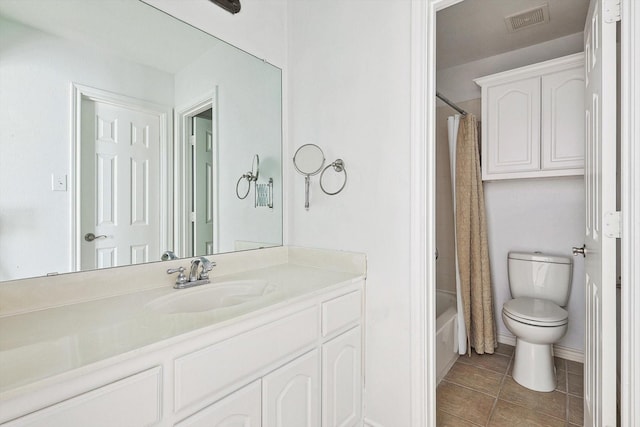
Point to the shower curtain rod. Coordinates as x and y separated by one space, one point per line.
450 104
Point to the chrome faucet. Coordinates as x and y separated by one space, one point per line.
195 278
207 266
193 271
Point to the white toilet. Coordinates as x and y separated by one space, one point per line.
540 285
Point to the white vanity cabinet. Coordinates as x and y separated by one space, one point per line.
533 120
102 357
298 364
308 367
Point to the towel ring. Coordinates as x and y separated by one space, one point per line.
247 177
337 166
251 176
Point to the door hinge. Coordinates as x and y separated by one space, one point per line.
192 140
192 215
613 224
612 11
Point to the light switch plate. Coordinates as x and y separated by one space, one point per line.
58 182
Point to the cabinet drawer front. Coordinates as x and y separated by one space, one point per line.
341 312
132 401
212 369
240 408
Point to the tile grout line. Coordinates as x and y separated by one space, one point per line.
465 420
466 387
504 377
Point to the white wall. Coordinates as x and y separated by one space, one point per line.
456 83
349 65
36 72
544 215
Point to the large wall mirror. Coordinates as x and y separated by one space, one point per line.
125 134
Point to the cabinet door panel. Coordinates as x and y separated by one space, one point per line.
342 380
514 126
291 395
240 409
563 119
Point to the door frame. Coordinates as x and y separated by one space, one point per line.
80 92
630 193
182 212
422 224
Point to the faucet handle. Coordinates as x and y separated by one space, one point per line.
181 279
206 267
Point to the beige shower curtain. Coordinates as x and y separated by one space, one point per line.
471 240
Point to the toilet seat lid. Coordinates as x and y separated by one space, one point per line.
536 311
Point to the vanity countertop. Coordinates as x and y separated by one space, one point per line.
40 344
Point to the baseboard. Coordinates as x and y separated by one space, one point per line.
507 339
441 375
558 350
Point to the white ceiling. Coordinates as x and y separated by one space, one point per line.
475 29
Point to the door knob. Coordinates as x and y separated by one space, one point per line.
90 237
579 251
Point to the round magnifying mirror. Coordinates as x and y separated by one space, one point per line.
309 159
255 167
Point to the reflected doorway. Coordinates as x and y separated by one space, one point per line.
204 199
118 190
197 209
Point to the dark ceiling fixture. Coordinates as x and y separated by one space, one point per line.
231 6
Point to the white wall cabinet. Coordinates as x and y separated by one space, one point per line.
534 120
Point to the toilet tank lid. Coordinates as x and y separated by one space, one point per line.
539 257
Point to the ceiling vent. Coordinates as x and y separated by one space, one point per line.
528 18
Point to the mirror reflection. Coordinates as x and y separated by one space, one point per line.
122 134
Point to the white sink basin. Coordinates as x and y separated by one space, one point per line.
212 296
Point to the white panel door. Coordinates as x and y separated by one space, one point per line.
563 119
291 394
342 380
119 167
600 248
514 126
204 187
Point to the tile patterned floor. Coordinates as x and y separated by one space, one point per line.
479 391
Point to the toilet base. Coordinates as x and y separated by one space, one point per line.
533 366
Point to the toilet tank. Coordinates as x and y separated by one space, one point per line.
539 275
